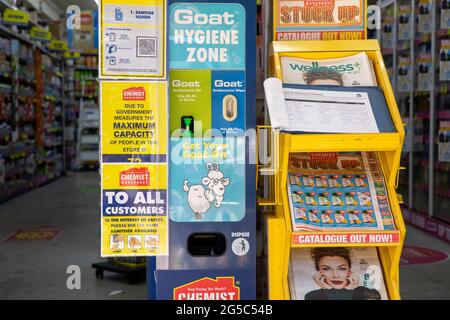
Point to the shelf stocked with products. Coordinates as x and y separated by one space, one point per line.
422 78
71 114
31 108
17 116
82 111
86 96
51 153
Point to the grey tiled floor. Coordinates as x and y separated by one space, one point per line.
37 269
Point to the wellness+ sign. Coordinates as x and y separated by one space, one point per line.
204 36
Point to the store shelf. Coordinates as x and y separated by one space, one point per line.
440 192
386 3
27 41
86 69
86 156
439 166
425 222
89 79
420 42
441 33
36 101
89 54
428 108
90 139
86 98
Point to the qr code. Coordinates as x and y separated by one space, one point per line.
146 47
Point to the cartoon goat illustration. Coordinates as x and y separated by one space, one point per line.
200 198
216 182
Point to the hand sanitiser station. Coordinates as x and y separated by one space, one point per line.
212 243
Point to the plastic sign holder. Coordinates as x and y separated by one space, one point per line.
133 126
16 17
132 39
40 34
57 46
212 244
388 146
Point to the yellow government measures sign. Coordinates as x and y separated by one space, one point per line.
134 116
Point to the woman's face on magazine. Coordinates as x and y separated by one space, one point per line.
335 270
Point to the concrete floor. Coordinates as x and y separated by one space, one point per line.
426 281
37 269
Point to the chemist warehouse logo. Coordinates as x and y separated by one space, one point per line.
134 94
222 288
135 177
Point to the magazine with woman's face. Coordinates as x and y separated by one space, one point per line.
353 70
336 274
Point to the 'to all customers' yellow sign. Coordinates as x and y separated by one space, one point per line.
18 17
134 210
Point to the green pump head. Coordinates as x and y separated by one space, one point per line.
187 123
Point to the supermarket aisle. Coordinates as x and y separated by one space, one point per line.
36 269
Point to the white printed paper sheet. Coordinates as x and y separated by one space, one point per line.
306 110
133 39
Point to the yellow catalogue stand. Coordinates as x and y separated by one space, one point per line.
281 239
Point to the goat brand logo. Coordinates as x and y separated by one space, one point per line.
134 94
136 177
222 288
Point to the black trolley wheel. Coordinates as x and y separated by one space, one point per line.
99 273
133 278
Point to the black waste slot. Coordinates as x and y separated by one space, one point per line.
206 244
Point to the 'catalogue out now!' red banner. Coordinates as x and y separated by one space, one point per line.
346 238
